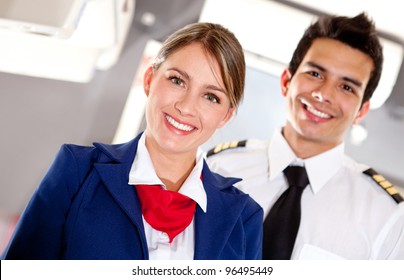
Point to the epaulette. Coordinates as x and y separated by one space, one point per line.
386 185
225 146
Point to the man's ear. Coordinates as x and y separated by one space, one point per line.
285 80
363 111
147 78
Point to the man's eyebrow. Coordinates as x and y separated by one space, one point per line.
348 79
315 65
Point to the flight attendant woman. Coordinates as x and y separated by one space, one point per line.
153 197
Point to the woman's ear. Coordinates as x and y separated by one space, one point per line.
147 78
229 115
285 80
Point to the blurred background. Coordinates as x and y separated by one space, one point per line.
70 72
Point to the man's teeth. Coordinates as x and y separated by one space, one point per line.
318 113
178 125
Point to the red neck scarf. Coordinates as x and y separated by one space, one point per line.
166 211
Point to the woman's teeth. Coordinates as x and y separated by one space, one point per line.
178 125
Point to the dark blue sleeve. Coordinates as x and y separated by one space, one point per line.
253 226
39 232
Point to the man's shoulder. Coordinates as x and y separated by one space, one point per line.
375 179
385 184
239 158
237 146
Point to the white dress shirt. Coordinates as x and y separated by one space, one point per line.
142 172
345 214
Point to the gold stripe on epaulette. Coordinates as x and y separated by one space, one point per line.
217 149
392 191
385 184
378 178
225 146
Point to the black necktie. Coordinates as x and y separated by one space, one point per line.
282 222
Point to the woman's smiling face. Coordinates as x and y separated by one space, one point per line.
187 100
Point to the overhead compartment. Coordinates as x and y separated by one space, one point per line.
62 39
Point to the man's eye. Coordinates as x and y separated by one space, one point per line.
314 74
347 88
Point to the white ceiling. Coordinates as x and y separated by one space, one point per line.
387 14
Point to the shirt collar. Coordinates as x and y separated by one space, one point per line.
142 173
319 168
279 153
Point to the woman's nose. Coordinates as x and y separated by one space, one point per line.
186 105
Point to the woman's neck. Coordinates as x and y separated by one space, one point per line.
172 168
173 171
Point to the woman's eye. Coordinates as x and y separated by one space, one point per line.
177 81
212 98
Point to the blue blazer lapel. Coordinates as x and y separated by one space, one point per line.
115 178
114 173
214 228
